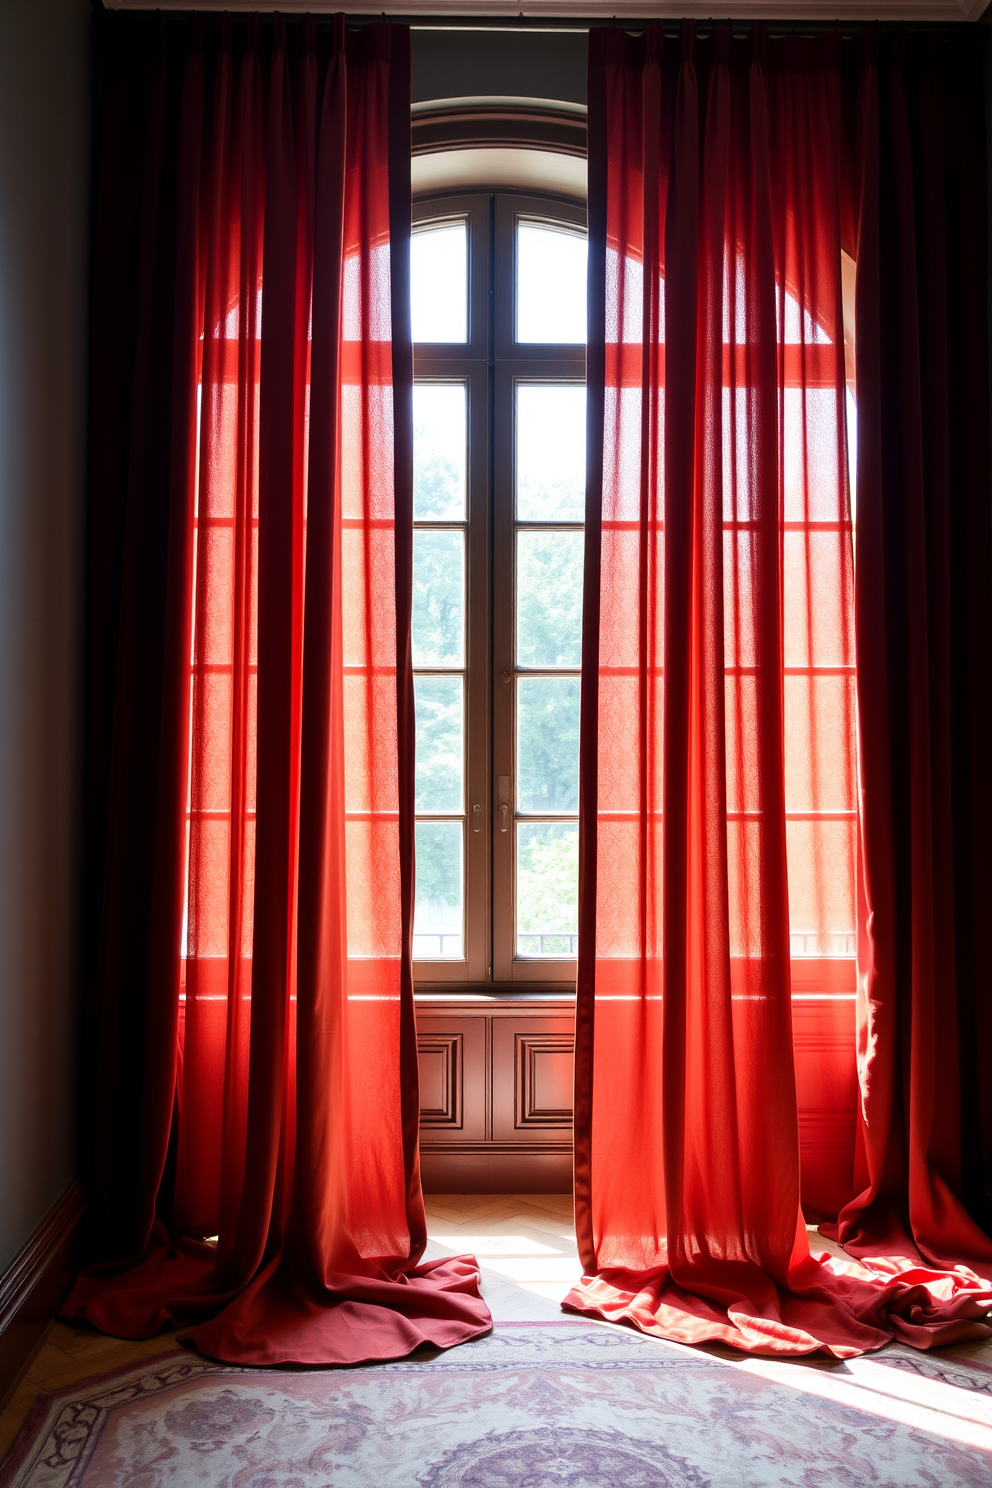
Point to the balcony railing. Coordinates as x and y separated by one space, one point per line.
560 943
443 946
813 943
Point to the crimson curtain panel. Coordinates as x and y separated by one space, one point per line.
725 618
252 1065
924 629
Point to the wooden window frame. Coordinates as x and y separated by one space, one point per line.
491 363
469 362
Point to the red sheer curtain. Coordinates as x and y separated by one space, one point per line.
924 581
718 771
268 1096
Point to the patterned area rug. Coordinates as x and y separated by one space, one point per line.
535 1405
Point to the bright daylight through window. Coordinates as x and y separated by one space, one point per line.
498 310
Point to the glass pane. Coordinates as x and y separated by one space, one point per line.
549 599
551 452
551 284
440 754
437 915
438 599
547 888
439 451
547 744
439 283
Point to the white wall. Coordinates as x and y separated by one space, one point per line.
44 194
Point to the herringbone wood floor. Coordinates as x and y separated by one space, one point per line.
524 1243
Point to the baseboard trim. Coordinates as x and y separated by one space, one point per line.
34 1285
491 1168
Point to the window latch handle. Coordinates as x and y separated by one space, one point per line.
502 815
476 818
504 801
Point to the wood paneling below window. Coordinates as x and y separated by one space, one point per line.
496 1094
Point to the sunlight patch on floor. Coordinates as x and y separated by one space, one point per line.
496 1245
525 1246
956 1413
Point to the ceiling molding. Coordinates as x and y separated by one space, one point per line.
499 123
813 11
521 144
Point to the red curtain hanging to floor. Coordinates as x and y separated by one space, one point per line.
924 606
719 770
253 1131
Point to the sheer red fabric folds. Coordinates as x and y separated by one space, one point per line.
274 1203
719 762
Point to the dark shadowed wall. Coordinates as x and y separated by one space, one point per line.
44 190
531 64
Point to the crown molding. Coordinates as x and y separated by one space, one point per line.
813 11
498 123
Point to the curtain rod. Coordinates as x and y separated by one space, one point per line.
671 25
551 25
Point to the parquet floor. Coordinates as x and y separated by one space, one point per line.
525 1245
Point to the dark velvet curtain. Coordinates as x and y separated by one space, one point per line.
251 1068
733 587
924 639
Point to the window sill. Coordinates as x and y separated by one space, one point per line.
562 995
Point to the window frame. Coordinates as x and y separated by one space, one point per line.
491 363
468 363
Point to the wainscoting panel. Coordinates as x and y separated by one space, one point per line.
441 1069
496 1093
532 1078
453 1094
